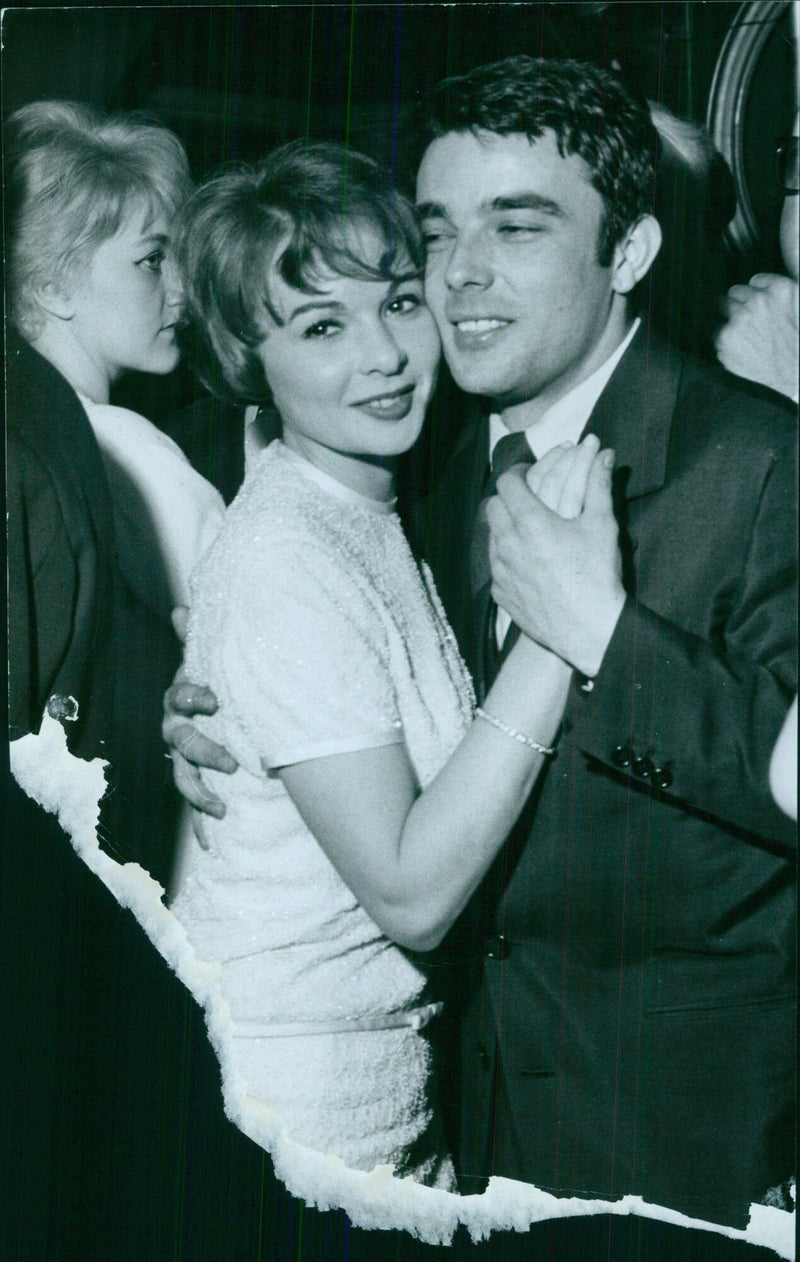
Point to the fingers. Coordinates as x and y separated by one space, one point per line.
559 482
190 786
546 477
573 492
198 828
180 617
559 479
189 699
598 488
497 515
739 294
200 750
513 493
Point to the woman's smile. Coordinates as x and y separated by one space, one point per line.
394 405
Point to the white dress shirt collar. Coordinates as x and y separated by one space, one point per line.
566 420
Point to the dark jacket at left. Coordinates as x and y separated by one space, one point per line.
76 629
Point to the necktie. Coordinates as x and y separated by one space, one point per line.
510 450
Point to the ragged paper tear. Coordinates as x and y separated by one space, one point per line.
71 788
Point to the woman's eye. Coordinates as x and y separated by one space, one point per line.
322 328
403 303
433 239
153 262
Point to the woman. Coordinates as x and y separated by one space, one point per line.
93 291
368 804
99 1030
91 201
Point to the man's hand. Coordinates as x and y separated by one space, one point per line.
760 339
560 580
189 749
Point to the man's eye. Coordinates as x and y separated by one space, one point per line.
518 229
322 328
435 238
153 262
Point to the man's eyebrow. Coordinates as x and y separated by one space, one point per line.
509 201
527 201
431 210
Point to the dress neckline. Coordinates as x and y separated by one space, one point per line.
333 486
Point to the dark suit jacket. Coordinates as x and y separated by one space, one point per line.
76 627
630 1021
60 553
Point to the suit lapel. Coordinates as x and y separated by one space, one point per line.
634 413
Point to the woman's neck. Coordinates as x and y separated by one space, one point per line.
372 476
57 345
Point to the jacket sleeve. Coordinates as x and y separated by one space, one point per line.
42 588
695 721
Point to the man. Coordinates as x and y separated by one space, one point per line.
628 1024
641 926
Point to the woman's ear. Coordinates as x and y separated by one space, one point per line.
54 301
636 253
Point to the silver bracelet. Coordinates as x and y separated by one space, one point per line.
515 736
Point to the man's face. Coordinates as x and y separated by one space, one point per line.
523 307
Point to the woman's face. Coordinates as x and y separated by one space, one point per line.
351 369
125 304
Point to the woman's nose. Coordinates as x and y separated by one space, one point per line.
381 352
173 290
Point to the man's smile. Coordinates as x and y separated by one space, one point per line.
475 332
479 326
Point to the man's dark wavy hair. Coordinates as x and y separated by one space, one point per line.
590 111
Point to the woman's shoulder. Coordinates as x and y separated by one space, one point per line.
276 494
149 455
279 526
121 425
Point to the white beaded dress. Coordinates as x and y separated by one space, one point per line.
312 623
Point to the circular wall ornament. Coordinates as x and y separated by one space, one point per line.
739 65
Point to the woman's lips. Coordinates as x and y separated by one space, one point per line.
393 406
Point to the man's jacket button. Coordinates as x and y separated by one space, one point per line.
661 778
622 756
497 947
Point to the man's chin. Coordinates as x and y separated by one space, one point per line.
476 378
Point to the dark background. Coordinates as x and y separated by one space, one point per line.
156 1173
234 81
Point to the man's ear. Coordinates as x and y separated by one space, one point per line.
636 253
55 301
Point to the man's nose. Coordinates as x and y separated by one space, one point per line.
380 350
468 263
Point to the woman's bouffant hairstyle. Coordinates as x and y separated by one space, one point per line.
302 209
72 175
590 111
